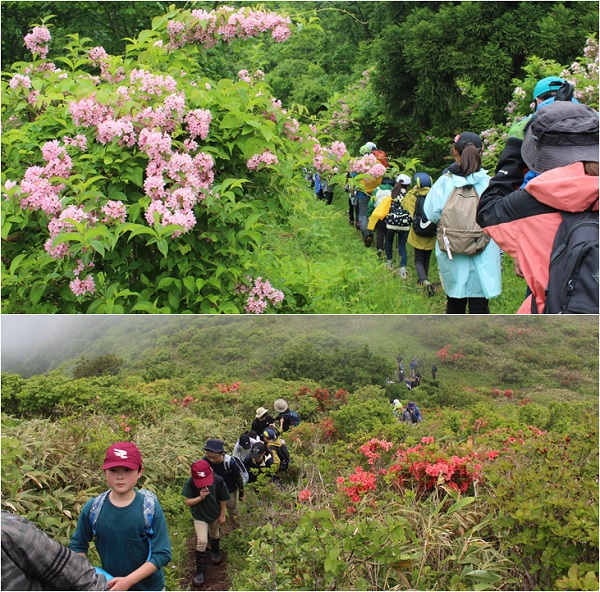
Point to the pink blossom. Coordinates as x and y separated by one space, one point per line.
267 157
198 122
19 81
261 294
80 287
37 40
114 211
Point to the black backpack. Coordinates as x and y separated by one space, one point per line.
398 218
573 280
421 224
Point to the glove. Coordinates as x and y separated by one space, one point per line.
517 129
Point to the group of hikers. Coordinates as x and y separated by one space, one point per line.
128 525
540 207
410 414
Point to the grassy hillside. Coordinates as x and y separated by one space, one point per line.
495 489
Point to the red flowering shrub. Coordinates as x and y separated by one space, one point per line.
361 482
445 355
228 388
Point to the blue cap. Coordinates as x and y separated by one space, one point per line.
422 180
270 433
548 84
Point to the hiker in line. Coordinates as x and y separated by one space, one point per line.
243 445
129 550
379 207
418 377
414 363
262 421
363 195
546 91
397 223
434 370
31 560
422 235
259 460
411 414
397 408
231 475
278 449
206 496
561 147
283 420
352 202
401 371
467 279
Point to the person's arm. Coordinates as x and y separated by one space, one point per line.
126 582
29 553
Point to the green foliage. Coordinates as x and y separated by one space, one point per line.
108 364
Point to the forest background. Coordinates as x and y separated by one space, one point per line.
407 75
496 489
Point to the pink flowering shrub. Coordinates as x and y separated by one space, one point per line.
144 190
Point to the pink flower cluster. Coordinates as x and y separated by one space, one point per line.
63 222
326 159
37 190
80 287
198 122
208 28
114 211
370 449
37 41
267 158
19 81
259 295
304 495
369 165
361 483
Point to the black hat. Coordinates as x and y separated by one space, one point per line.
560 134
245 441
461 140
214 445
257 450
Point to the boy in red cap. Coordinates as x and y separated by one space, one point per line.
206 497
115 519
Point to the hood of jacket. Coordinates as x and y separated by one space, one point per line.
566 188
459 179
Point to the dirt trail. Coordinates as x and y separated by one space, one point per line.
216 575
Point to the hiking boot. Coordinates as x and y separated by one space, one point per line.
215 556
389 264
380 253
402 273
429 287
201 558
368 241
351 222
357 224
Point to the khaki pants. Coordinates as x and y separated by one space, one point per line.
203 530
233 510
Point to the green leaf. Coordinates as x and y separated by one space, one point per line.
485 576
461 503
37 292
163 247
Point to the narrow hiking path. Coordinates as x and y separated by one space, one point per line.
216 575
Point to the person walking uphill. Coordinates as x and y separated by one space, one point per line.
132 549
561 147
206 496
228 470
467 279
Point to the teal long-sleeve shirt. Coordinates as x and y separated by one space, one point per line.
121 543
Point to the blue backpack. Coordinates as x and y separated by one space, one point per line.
294 419
149 500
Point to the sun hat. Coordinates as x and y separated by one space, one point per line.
257 450
548 84
214 445
260 412
422 180
122 454
560 134
403 179
245 441
280 405
270 433
202 474
461 140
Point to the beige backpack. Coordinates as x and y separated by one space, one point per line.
458 233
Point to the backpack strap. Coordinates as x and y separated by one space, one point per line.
149 500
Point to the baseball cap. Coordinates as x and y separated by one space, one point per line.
257 450
245 441
270 433
122 454
403 179
461 140
422 180
214 445
548 84
202 474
